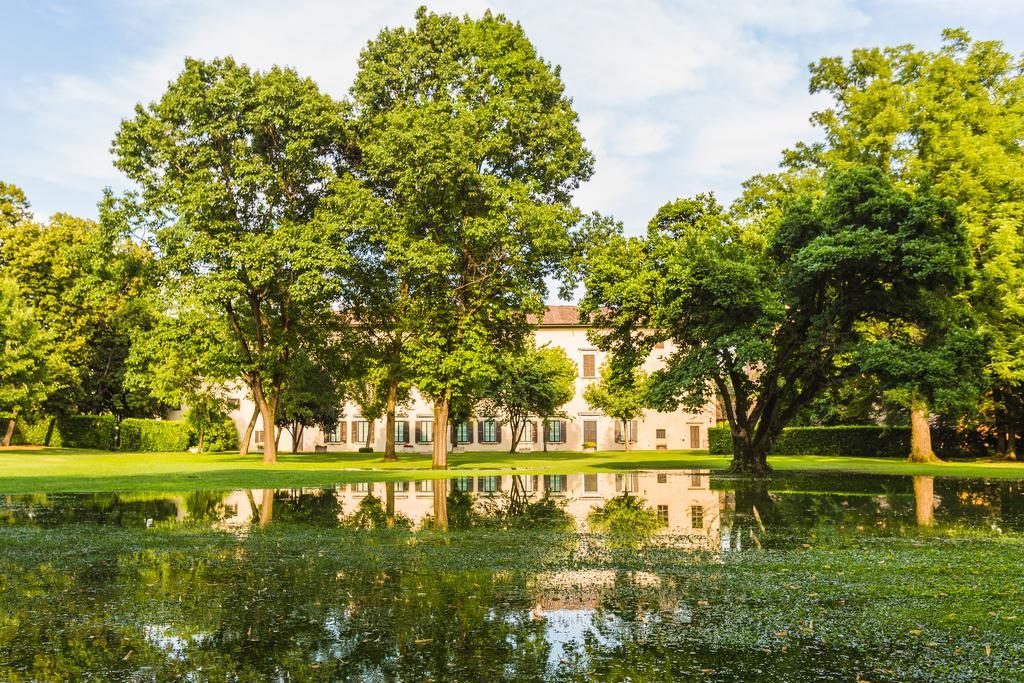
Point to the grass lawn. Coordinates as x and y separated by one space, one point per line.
39 470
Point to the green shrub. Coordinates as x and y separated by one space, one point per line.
624 515
222 436
366 449
74 431
864 441
589 444
141 435
719 441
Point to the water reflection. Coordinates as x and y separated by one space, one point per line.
710 512
276 597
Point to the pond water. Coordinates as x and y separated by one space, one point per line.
624 576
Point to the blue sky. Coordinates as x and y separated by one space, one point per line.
675 97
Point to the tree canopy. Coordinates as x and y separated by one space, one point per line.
27 365
949 120
761 310
91 289
466 135
231 166
535 382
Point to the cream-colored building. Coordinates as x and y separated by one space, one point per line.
559 327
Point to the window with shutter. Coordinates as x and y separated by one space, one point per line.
332 434
589 366
590 483
555 431
360 430
424 431
590 431
530 432
633 430
489 484
555 483
489 431
401 431
464 432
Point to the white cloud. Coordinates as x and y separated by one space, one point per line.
674 96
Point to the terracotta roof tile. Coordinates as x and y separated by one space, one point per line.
558 316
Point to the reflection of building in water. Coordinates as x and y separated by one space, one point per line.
682 499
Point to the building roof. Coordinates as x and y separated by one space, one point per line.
558 316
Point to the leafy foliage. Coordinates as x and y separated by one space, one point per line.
624 516
763 308
949 119
27 366
532 382
90 289
471 146
162 436
620 394
232 166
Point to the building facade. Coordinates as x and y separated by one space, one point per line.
414 431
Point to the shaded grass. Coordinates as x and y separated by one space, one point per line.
40 470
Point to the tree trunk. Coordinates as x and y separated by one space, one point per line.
440 504
267 508
440 461
924 500
389 427
268 413
1006 447
625 434
544 433
243 448
389 502
748 457
920 434
9 434
517 434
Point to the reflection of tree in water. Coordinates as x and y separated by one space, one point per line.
117 509
981 502
204 506
924 500
259 616
760 517
626 520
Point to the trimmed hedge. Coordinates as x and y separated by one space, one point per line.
861 441
75 431
166 436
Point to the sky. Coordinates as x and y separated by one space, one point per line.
675 97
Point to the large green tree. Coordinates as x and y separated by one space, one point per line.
534 382
952 120
231 166
91 289
468 137
27 372
761 309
